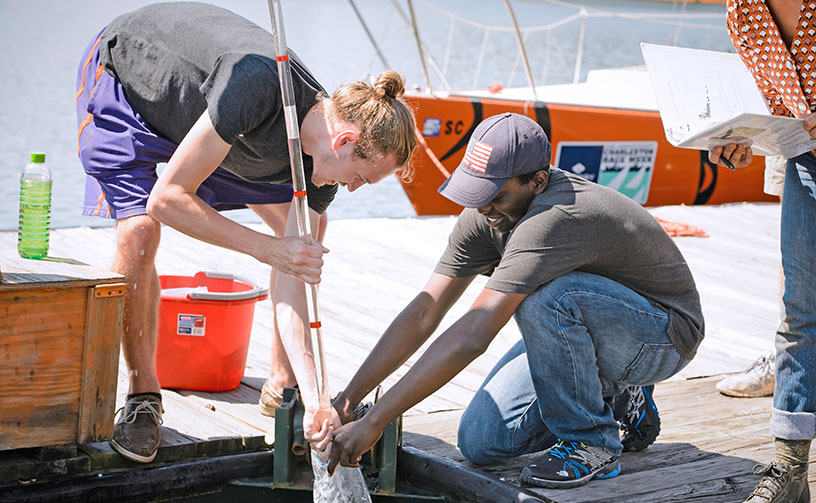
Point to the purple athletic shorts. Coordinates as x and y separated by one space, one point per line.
119 153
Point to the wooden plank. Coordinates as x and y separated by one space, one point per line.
100 363
42 341
708 446
27 273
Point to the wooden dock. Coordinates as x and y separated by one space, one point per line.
708 445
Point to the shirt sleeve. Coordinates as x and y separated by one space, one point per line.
472 248
242 91
319 197
738 31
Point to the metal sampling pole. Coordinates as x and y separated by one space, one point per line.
299 184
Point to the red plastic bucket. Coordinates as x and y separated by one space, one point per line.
204 326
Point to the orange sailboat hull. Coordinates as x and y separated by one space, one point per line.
624 149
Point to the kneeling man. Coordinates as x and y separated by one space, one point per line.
602 296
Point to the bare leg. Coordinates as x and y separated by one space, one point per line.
137 239
281 374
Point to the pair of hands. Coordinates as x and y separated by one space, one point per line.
333 433
740 155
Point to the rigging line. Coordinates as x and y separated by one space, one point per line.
449 45
516 62
419 46
370 36
591 12
483 26
481 58
522 50
386 27
579 49
425 50
677 31
596 11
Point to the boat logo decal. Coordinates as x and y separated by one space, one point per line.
625 166
431 127
476 158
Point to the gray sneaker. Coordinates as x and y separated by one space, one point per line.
570 464
136 434
781 483
756 381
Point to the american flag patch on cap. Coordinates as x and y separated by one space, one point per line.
476 159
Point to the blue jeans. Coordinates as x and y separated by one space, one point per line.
585 337
794 408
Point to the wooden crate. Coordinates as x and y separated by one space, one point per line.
60 329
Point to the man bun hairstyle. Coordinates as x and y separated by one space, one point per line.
385 119
390 84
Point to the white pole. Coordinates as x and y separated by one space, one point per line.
299 185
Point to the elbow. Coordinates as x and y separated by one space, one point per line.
471 346
157 205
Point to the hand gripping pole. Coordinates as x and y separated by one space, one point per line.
299 184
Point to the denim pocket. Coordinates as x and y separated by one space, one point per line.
654 363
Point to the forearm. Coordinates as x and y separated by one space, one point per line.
187 213
448 355
441 362
409 330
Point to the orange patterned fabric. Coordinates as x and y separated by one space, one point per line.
787 78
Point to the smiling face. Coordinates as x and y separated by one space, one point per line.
505 210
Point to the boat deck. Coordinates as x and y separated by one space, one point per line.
708 445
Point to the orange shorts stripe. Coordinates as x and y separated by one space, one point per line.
88 119
85 67
99 205
84 123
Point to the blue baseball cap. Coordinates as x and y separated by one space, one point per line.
501 147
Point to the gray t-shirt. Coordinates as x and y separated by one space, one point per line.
577 225
176 60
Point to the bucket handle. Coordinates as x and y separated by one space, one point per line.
257 290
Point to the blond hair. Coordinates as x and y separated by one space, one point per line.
385 120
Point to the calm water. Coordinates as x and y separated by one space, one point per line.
41 42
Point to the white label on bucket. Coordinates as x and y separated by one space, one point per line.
191 324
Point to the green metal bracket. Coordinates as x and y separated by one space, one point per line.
291 447
284 464
386 449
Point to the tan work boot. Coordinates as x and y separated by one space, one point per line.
136 434
781 483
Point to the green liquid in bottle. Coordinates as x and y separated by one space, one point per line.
35 218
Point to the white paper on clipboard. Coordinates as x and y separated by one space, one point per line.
709 98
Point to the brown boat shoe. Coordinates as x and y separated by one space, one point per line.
270 400
136 434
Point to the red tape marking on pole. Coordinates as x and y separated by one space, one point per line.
300 193
282 58
314 324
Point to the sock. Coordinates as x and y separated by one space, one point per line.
792 452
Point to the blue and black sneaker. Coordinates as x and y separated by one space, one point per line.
570 464
641 424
